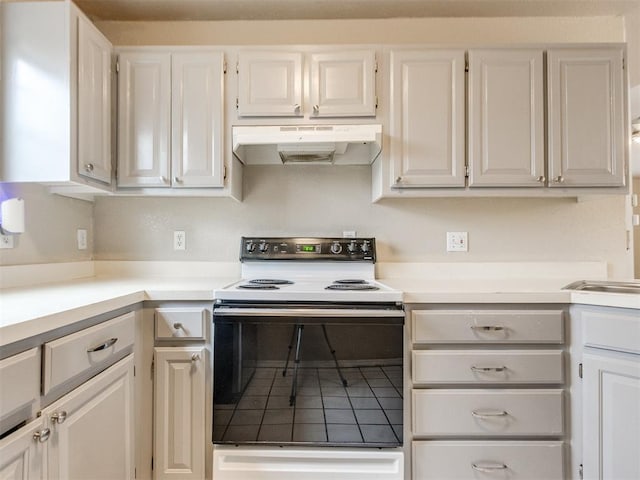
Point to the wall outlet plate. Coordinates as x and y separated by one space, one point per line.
179 240
457 241
6 241
81 235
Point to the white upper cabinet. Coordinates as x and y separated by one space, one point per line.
318 84
427 118
144 119
196 119
170 119
343 84
586 116
56 109
506 118
270 84
94 103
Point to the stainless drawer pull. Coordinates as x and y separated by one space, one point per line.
488 369
489 468
496 413
488 328
42 436
59 417
177 326
103 346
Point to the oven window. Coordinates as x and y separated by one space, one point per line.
344 390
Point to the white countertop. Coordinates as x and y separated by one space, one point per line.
27 311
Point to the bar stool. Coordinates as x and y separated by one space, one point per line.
297 335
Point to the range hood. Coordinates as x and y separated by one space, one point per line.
308 144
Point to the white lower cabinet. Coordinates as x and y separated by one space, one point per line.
513 460
92 428
486 400
179 413
21 453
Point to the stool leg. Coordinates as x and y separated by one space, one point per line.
292 397
333 354
293 335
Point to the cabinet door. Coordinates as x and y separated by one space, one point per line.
94 103
270 84
427 118
586 117
196 119
92 428
179 413
506 118
343 84
22 452
144 119
611 416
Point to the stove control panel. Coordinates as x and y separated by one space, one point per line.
299 248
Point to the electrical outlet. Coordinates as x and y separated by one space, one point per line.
179 240
6 241
81 235
457 241
349 234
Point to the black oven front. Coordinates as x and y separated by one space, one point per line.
308 374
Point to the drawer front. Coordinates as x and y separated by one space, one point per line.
181 323
511 460
612 329
487 412
19 381
69 356
487 367
487 326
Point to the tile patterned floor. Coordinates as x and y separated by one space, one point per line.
368 410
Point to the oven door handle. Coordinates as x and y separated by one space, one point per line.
307 312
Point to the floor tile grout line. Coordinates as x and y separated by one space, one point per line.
384 411
264 411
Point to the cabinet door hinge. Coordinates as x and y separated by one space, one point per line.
153 366
376 102
237 67
224 172
237 103
134 370
224 67
117 67
135 473
581 471
623 63
466 171
375 65
580 370
151 463
466 66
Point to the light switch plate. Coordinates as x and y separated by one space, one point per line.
179 240
81 235
457 241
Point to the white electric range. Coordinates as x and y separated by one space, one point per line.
308 364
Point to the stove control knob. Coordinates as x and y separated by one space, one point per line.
336 248
365 247
352 246
263 247
250 247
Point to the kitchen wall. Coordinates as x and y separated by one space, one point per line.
328 200
51 222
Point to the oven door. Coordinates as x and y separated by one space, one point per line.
308 374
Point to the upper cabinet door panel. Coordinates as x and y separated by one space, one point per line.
270 84
144 120
586 113
343 84
94 103
506 118
197 102
427 118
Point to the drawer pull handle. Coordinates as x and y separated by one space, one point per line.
42 436
177 326
488 328
488 369
195 357
489 468
59 417
497 413
103 346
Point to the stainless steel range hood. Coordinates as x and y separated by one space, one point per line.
308 144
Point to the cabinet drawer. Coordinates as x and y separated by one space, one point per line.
612 329
180 323
487 412
474 460
487 326
484 367
99 345
19 381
